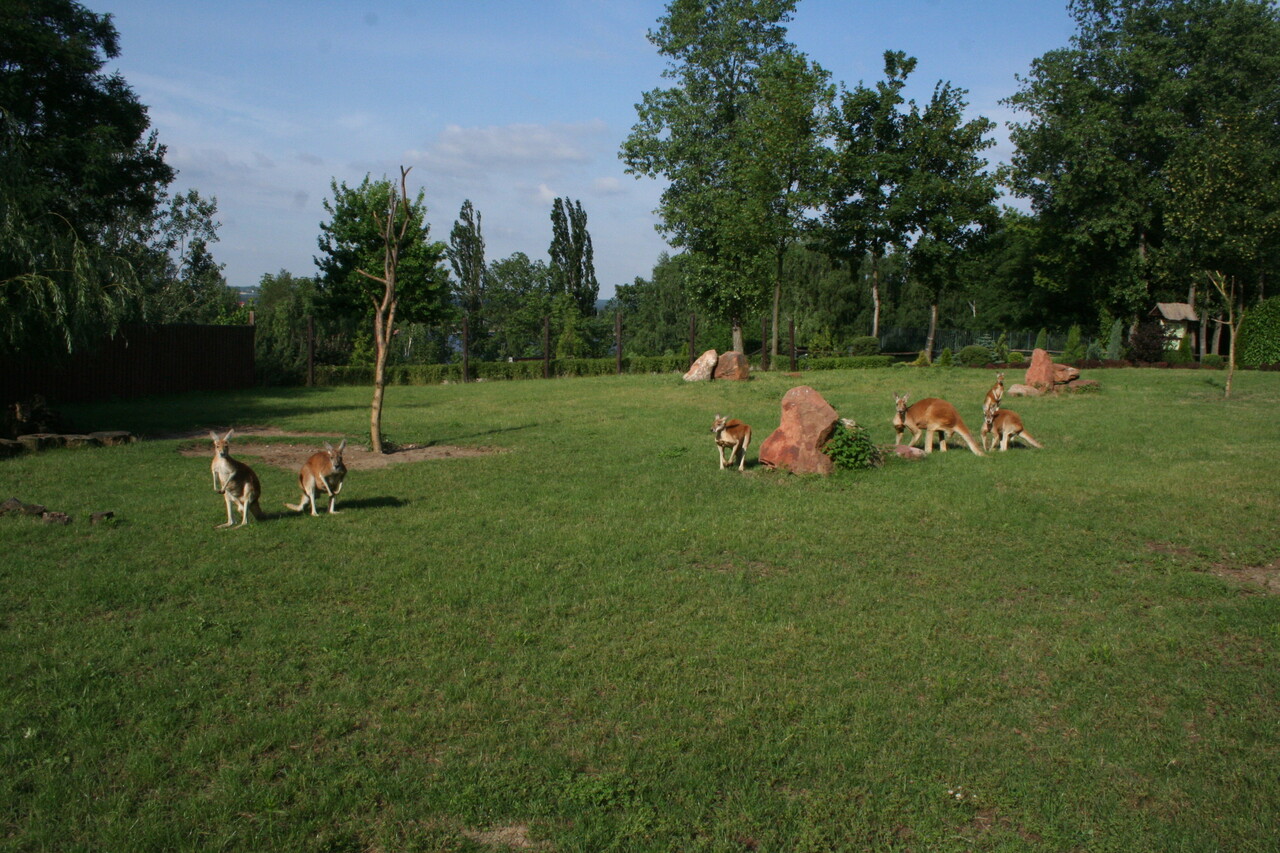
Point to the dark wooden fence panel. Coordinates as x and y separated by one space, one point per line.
140 361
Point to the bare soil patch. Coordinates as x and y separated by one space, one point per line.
290 455
1267 578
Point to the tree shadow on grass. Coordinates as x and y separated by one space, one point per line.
496 431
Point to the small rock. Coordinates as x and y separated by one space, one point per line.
1064 373
702 369
56 518
907 452
9 447
11 505
80 441
33 509
1022 391
1080 385
113 437
98 517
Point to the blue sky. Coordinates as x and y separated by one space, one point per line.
508 103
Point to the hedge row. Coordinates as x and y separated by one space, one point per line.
434 374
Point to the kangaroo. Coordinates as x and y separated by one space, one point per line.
324 470
1004 424
995 395
930 415
734 435
235 481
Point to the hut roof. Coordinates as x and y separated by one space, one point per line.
1176 312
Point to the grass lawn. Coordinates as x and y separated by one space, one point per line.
600 641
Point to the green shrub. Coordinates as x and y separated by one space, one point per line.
1074 349
851 448
851 362
1212 360
1148 341
1016 357
1115 343
1042 339
944 357
867 345
923 359
1001 350
1181 354
1259 341
975 355
1095 352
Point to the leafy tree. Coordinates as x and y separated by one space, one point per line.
691 134
864 213
280 332
466 256
1125 121
572 267
519 291
76 161
949 195
179 280
1115 340
783 162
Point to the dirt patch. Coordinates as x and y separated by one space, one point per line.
514 837
1266 578
290 456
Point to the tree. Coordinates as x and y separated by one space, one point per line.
379 264
573 271
76 161
783 161
280 329
178 279
864 214
948 195
691 135
519 300
466 256
1110 122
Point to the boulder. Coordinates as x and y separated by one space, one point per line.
99 517
1062 374
1080 385
9 447
796 445
41 441
1040 375
702 369
56 518
80 441
1021 391
733 365
11 505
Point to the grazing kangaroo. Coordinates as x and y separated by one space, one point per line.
324 470
235 481
995 395
1004 424
930 415
734 435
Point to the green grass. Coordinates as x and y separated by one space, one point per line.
603 638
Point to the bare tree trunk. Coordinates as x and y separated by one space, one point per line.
384 310
933 329
875 295
777 300
738 346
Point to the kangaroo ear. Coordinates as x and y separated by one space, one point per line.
227 437
342 445
213 435
328 447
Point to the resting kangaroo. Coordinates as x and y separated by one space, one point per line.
995 395
1004 424
235 481
930 415
324 470
734 435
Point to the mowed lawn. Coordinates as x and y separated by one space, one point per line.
597 640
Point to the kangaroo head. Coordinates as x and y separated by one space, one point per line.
900 403
335 453
221 446
720 423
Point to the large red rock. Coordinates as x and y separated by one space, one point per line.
1064 373
702 369
1040 374
733 365
796 445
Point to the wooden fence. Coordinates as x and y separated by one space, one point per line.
139 361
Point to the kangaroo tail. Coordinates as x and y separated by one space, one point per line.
297 508
968 439
1029 440
257 510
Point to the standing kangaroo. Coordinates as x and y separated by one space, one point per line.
995 395
734 435
235 481
930 415
324 470
1004 424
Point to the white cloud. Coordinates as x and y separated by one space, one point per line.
607 186
511 148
